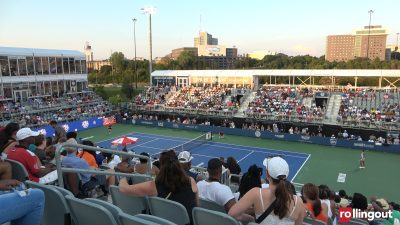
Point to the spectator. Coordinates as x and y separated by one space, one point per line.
71 160
59 132
27 210
88 155
142 167
185 159
313 204
38 147
287 208
344 202
31 162
212 189
324 194
172 183
360 202
8 138
250 179
233 168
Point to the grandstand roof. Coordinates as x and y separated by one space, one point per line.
281 72
12 51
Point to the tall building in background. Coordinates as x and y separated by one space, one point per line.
88 52
348 47
205 38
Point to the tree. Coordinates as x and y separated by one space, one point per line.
127 88
186 60
116 99
117 60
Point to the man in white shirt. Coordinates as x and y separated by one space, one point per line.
212 189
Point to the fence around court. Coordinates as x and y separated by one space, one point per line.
60 170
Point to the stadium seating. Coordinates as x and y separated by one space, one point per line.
18 171
206 217
129 204
88 213
114 210
154 219
126 219
56 210
168 210
210 205
310 221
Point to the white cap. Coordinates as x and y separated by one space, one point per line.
276 166
25 133
185 157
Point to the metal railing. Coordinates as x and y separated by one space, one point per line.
61 147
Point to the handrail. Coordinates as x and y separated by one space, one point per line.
61 147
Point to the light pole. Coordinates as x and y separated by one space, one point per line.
134 41
396 48
369 30
150 10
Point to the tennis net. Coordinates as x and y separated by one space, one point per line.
192 144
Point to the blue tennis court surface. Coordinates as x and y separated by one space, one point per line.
245 155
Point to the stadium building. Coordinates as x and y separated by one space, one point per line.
29 72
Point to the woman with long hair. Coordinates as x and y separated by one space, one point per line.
250 180
8 137
171 183
313 204
286 207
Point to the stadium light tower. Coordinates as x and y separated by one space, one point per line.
134 42
369 30
150 10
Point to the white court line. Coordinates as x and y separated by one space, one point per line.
207 156
300 168
245 156
146 142
221 144
85 138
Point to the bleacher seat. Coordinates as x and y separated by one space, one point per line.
126 219
128 204
155 219
18 170
206 204
310 221
88 213
169 210
56 210
206 217
114 210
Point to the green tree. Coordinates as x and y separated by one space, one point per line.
117 60
116 99
127 88
186 60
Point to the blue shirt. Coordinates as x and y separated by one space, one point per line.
73 161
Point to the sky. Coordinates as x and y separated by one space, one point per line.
292 27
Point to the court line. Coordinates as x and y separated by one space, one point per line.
207 156
245 156
305 155
146 142
300 168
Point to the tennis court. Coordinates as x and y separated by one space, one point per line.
203 150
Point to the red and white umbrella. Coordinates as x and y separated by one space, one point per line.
125 141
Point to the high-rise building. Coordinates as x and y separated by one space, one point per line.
205 38
367 42
88 52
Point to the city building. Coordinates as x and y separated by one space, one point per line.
205 38
369 42
27 72
260 54
177 52
95 65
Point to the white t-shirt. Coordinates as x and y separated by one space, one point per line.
215 191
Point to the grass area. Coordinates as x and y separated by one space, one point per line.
324 165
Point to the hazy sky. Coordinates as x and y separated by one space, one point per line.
290 26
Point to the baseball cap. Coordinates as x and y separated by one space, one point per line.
276 166
185 157
214 164
25 133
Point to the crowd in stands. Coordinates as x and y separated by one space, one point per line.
41 110
208 98
174 179
154 95
369 106
286 102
